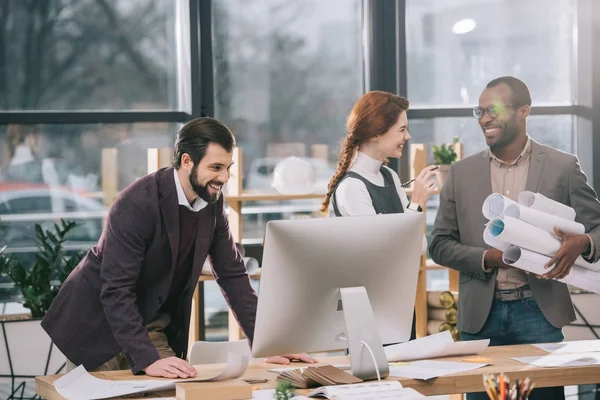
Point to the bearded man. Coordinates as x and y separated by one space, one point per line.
127 304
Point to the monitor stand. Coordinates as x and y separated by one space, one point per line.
367 357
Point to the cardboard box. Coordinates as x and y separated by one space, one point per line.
233 389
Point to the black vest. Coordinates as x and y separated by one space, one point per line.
385 198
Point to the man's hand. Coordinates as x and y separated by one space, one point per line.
285 360
493 258
171 367
572 247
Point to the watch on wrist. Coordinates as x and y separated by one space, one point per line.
414 207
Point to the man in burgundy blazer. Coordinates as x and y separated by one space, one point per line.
148 260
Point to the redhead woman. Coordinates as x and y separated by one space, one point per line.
377 128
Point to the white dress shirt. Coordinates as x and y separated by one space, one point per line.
352 196
199 203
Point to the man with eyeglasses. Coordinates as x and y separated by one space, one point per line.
498 302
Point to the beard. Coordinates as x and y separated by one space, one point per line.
202 190
510 131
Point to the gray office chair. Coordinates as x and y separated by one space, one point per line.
216 352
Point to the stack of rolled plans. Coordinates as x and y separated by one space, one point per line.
524 231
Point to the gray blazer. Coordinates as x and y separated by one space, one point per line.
457 238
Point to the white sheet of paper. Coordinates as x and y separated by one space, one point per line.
425 370
80 385
534 262
576 346
368 391
562 360
437 345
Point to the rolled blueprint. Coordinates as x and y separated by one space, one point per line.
541 203
534 262
493 241
519 233
493 207
441 299
543 220
516 232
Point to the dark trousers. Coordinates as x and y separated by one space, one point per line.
518 322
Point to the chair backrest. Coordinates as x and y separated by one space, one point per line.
216 352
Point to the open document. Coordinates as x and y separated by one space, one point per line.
562 360
438 345
81 385
386 390
576 346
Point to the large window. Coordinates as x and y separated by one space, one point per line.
454 47
92 54
286 74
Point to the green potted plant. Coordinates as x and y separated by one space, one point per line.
444 155
30 350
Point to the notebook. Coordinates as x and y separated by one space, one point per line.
325 375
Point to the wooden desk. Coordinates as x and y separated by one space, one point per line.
465 382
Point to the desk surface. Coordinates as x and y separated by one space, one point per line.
464 382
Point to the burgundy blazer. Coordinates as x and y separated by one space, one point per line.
121 283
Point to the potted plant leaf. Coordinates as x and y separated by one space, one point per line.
29 349
444 155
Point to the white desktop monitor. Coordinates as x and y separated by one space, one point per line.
307 261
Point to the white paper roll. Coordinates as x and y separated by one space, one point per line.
543 220
533 262
541 203
518 233
493 207
494 242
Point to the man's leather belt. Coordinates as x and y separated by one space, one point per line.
514 294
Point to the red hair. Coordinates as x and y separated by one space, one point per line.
372 115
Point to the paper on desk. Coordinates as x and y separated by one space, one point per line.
438 345
577 346
79 384
562 360
426 369
368 391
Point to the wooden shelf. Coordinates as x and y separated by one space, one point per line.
262 196
204 278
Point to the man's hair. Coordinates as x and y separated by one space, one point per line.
521 95
195 136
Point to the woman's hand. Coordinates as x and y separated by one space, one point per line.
424 186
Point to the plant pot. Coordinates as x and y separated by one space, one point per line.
442 174
26 351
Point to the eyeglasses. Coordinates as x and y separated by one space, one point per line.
492 110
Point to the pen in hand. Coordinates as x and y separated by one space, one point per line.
406 184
